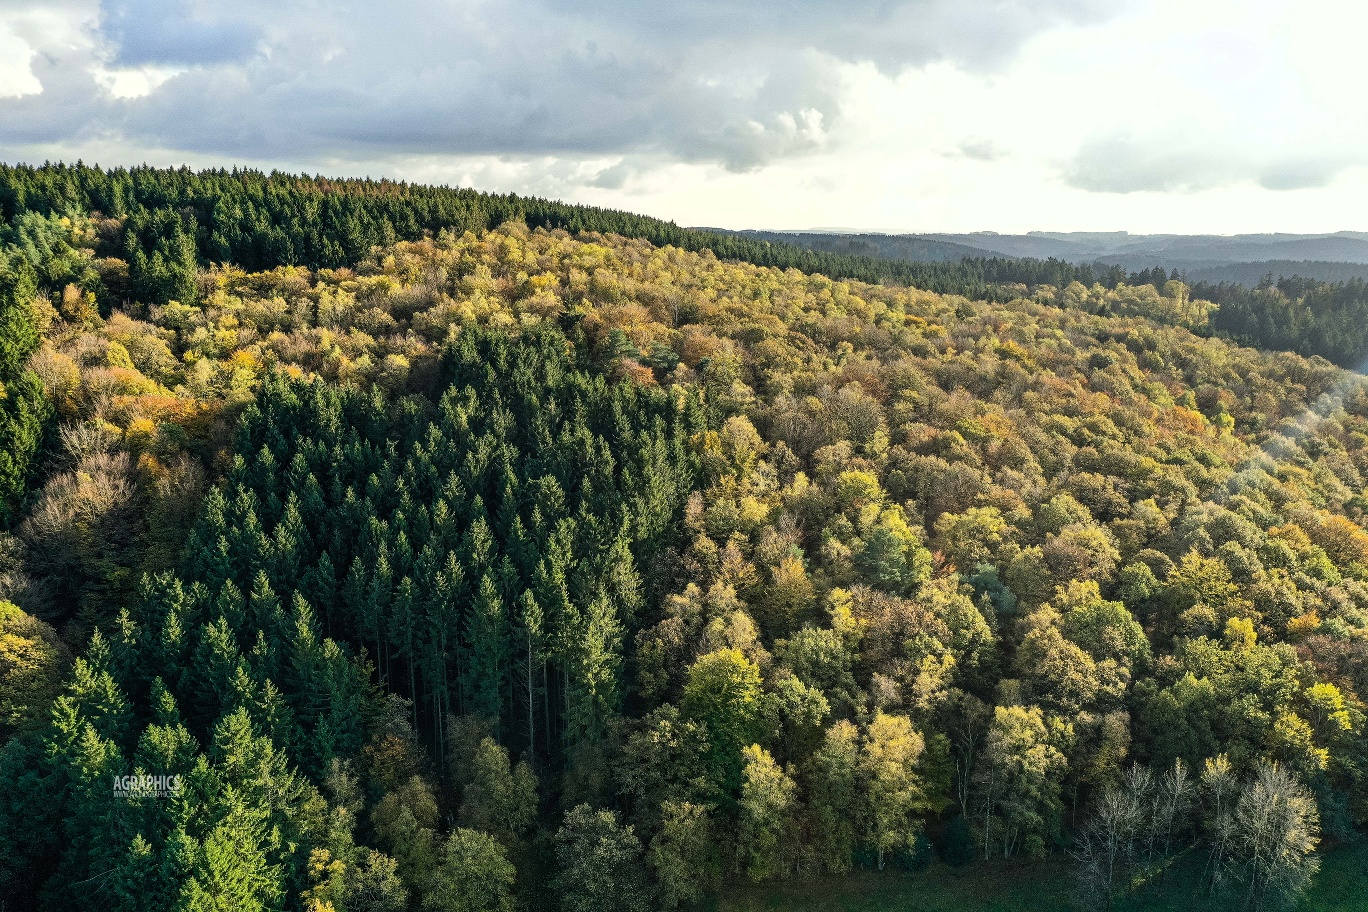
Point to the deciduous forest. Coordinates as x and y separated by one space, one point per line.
467 552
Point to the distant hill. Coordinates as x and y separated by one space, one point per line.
910 247
1251 274
1318 307
1173 250
1192 253
183 220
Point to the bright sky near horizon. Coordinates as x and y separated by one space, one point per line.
1183 116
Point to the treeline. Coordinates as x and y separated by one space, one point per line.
162 225
1251 275
1297 314
172 220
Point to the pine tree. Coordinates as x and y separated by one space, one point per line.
24 410
488 632
530 623
229 869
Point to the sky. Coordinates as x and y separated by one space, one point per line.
1176 116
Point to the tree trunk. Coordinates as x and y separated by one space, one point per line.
531 721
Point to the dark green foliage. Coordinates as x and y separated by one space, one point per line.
491 536
1306 316
23 409
159 247
529 483
957 845
602 868
917 856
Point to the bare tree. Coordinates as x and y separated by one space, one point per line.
967 721
1107 843
1218 795
1131 830
1273 832
76 535
1172 801
84 439
1092 874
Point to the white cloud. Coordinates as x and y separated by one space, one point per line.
16 76
1167 115
133 82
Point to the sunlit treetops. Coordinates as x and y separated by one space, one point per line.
708 568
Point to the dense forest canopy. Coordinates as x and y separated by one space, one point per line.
1306 316
535 568
169 220
163 224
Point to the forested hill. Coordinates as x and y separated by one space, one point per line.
909 247
157 227
1310 307
169 221
527 569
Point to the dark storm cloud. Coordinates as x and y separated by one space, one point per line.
741 83
892 34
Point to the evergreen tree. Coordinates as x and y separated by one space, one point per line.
24 410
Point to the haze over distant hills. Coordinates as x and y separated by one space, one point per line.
1170 249
1243 258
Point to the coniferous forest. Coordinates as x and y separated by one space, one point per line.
468 552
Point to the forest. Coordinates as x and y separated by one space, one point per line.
170 221
162 225
520 556
1309 317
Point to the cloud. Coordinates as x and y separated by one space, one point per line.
983 150
981 34
175 33
1129 165
1212 115
614 177
741 83
1193 164
16 76
1302 173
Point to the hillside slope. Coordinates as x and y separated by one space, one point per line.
164 222
599 573
913 248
